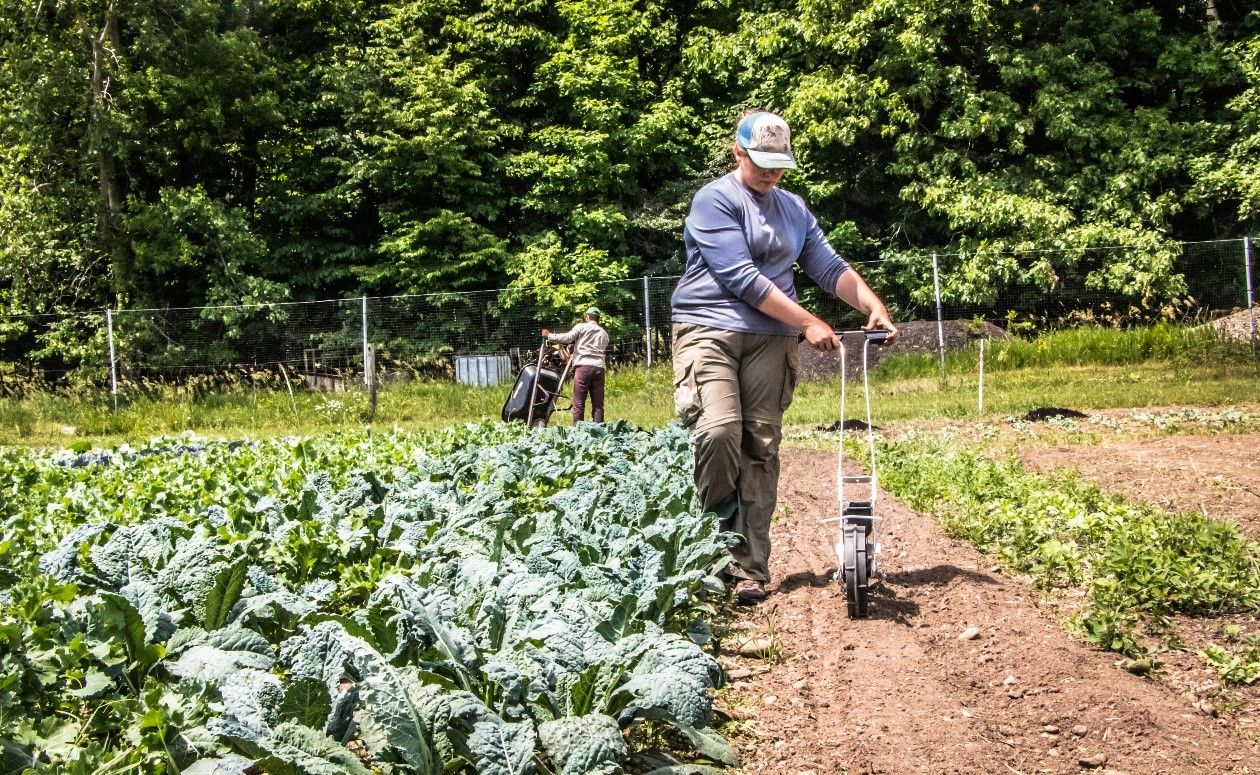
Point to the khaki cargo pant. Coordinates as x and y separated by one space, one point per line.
731 389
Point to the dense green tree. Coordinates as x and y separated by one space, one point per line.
220 152
315 207
991 127
432 164
605 127
1228 171
51 256
198 98
130 168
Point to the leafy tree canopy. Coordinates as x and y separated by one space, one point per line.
236 151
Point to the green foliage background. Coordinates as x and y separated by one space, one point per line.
241 151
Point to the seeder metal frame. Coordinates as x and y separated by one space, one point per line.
856 551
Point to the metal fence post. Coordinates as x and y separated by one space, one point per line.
366 355
369 375
1251 299
647 318
113 366
940 320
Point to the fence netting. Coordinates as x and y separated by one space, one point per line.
324 344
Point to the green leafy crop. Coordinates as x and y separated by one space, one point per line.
1137 564
356 603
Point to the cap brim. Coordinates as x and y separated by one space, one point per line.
772 161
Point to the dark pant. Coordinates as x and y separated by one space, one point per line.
588 380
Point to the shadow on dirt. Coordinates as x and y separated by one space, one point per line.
848 425
887 604
937 576
1053 413
806 579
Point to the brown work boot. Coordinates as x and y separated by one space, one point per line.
750 591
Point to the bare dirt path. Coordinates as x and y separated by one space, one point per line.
901 692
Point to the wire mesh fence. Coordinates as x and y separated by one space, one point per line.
484 337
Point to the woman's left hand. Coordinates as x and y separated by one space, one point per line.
880 320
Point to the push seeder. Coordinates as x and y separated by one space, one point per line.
856 550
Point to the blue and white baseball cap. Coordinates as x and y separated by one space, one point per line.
767 139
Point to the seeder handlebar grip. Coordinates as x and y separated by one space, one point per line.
874 336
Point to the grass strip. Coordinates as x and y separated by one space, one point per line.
1084 368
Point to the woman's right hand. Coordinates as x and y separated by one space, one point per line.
821 336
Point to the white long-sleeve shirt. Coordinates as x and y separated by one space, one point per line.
589 342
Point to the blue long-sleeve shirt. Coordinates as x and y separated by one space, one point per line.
741 243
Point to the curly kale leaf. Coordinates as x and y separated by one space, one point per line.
228 586
191 572
267 598
132 552
390 713
209 664
153 610
63 563
674 693
679 653
680 699
292 749
226 765
424 619
251 701
582 744
503 749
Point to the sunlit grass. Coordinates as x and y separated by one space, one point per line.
50 420
1013 392
1081 369
1163 343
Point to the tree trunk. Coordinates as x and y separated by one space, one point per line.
1212 13
103 46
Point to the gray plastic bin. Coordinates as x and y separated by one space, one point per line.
482 370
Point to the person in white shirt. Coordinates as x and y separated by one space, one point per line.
589 341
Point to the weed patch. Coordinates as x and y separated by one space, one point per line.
1136 564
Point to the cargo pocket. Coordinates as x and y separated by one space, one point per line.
791 367
687 396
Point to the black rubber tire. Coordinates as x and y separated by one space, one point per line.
857 569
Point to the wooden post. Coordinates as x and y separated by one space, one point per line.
980 406
647 320
1251 297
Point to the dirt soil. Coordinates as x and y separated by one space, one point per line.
959 669
1238 326
1214 475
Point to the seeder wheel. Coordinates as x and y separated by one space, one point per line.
856 570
